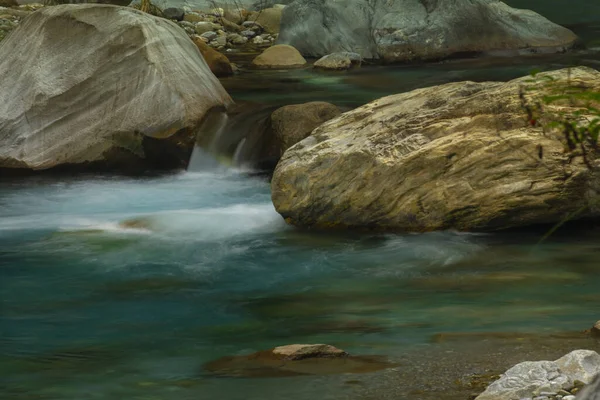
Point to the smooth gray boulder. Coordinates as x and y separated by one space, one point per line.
101 84
405 30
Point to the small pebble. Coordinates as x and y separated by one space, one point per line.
571 397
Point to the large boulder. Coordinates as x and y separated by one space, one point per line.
279 56
405 30
101 84
455 156
293 123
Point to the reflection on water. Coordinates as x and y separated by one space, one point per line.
124 288
359 86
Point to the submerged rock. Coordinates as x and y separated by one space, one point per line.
339 61
279 56
406 30
545 378
456 156
293 123
297 359
98 84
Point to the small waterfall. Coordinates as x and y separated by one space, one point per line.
242 139
206 154
237 161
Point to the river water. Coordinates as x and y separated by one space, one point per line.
124 288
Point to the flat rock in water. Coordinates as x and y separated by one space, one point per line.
99 84
298 359
303 351
455 156
404 30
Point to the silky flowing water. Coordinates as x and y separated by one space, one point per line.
124 288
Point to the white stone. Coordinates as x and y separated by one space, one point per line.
580 365
527 380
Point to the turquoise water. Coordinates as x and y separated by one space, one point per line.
95 308
124 288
